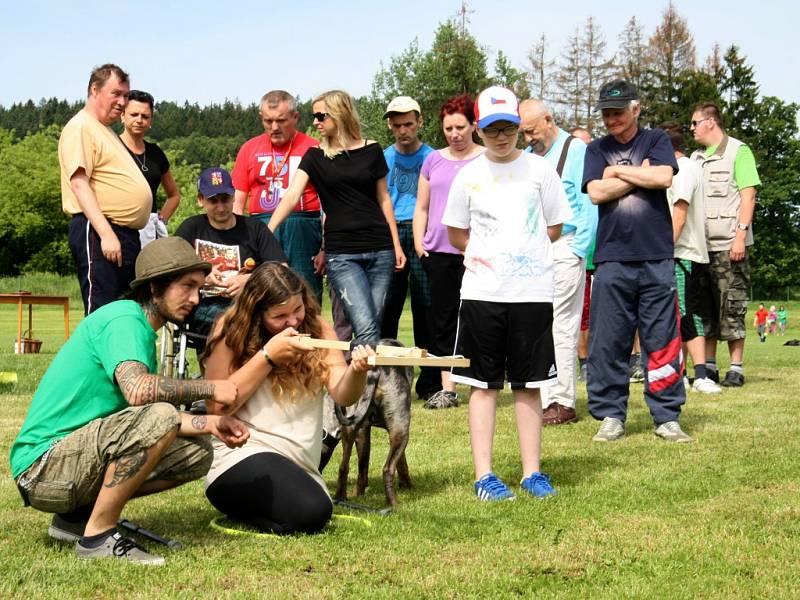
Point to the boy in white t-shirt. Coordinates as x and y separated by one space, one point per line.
503 210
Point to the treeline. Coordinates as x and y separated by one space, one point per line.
663 63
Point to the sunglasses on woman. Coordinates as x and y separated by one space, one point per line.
320 116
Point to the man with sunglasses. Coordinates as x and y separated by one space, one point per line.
504 209
233 244
264 169
730 179
626 173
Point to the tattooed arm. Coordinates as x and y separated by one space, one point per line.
140 387
229 430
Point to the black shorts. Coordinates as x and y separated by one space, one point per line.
506 340
695 306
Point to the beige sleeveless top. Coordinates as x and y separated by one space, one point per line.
290 428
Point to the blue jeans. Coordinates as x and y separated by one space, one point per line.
362 282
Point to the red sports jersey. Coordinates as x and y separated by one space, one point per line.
254 173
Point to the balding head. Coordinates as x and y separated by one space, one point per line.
537 125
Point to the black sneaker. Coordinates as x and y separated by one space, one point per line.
733 379
65 531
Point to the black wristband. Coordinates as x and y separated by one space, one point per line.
268 359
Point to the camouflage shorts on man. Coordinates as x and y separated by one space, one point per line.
727 287
70 473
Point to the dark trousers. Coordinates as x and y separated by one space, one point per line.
429 380
444 271
626 296
272 493
101 281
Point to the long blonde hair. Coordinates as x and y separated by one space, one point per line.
243 330
340 107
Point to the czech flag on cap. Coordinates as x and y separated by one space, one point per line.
496 104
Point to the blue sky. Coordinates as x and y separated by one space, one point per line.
208 51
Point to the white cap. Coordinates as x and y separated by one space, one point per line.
402 104
496 104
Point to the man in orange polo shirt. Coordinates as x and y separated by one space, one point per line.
103 190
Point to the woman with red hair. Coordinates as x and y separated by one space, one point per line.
443 263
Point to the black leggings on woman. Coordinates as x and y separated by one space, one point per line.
273 494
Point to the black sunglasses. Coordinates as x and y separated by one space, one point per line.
320 116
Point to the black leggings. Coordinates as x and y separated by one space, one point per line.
273 494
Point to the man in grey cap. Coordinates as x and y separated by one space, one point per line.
404 159
103 428
626 173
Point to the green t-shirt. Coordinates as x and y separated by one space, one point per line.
744 167
79 384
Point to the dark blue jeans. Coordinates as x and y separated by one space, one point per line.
627 295
362 282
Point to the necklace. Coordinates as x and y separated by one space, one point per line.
141 164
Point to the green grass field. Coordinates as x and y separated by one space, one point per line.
639 518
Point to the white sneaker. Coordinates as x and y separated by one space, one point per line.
706 386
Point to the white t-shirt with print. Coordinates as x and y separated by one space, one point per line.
687 185
507 208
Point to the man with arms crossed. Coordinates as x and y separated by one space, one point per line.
566 154
729 187
103 428
103 190
626 173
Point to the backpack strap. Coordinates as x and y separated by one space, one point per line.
563 158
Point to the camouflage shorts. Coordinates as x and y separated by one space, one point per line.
727 287
70 474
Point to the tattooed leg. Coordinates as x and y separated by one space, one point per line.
122 481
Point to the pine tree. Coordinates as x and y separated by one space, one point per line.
739 92
597 68
540 72
570 79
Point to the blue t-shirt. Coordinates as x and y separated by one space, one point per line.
403 179
637 226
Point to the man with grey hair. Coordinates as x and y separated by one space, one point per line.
103 190
566 154
264 168
627 173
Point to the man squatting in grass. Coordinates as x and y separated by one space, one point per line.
627 173
504 210
686 204
730 179
103 428
565 153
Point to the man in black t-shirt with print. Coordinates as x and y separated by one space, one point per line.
627 174
233 244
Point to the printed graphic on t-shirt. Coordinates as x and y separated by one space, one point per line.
224 258
404 180
274 184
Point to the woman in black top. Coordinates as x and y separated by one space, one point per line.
137 120
362 248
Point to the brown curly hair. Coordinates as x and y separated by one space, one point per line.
243 330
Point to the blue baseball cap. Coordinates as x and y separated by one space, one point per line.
214 181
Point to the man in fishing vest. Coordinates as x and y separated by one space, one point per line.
729 188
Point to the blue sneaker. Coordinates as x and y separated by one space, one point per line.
489 489
538 485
